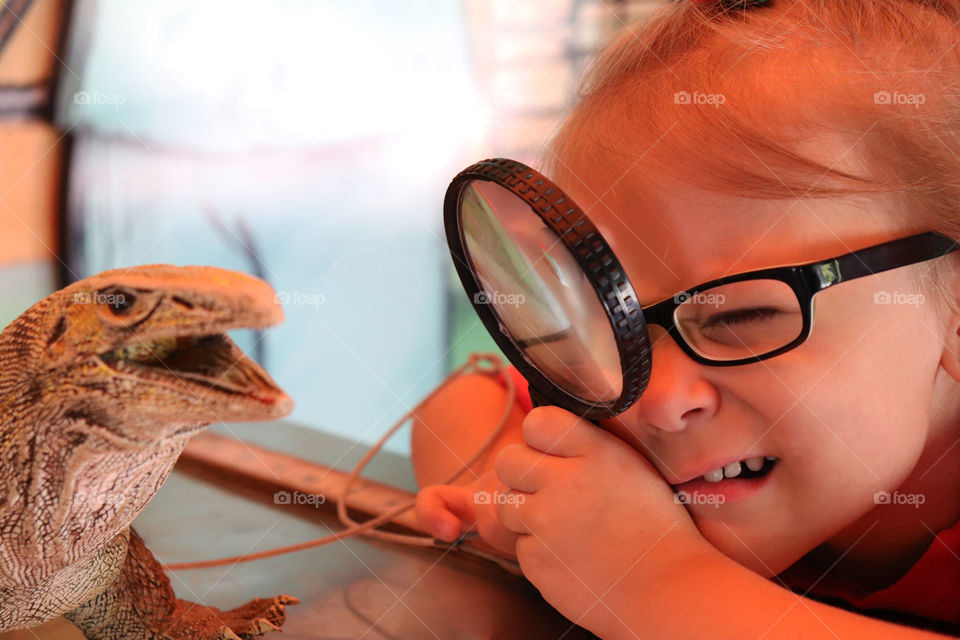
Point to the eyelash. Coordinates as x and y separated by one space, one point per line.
740 316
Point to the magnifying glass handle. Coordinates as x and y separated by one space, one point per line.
539 400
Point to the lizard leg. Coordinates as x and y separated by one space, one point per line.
28 605
140 605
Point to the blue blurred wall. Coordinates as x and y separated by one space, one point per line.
327 131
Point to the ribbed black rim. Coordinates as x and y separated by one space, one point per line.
594 256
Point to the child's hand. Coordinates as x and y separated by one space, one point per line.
596 519
445 511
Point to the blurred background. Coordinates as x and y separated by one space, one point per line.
308 142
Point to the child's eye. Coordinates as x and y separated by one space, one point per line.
739 316
749 330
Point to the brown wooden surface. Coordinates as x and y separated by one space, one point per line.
356 588
284 476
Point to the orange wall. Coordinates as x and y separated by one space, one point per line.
31 152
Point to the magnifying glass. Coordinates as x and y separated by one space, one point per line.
548 288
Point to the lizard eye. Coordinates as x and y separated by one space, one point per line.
119 301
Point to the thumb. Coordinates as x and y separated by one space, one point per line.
445 510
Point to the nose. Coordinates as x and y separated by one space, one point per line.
677 394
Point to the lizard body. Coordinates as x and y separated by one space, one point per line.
101 386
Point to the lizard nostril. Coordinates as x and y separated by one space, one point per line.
183 303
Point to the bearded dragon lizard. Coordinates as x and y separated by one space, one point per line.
101 385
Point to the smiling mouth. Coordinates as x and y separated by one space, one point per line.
749 469
208 361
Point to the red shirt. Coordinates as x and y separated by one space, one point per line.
930 589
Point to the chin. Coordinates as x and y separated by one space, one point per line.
766 556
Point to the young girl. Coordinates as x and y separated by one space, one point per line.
709 141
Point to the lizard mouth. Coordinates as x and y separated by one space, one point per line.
209 361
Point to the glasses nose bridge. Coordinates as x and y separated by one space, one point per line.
669 329
661 314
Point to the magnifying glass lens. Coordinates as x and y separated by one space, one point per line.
541 296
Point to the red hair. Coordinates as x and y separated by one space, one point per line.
882 77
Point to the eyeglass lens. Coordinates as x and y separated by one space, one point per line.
740 319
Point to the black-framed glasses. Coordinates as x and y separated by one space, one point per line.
557 302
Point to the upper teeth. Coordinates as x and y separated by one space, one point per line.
733 469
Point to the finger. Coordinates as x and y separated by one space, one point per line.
560 433
496 535
520 467
445 511
510 511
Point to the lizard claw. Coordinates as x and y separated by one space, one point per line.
257 617
246 622
265 625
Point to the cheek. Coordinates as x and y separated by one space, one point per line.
860 391
859 444
836 451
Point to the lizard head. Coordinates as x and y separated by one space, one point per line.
145 349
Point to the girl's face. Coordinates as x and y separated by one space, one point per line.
848 413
